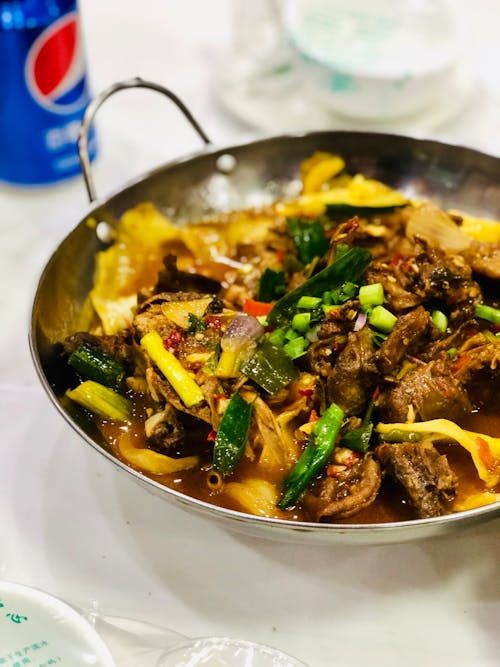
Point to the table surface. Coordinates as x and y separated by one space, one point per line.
70 525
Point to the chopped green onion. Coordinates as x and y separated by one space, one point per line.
301 322
278 336
451 352
296 347
350 266
382 319
488 313
196 324
371 295
343 293
308 302
439 320
290 334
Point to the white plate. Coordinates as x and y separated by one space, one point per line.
279 101
38 629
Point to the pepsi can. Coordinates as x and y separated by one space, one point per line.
43 91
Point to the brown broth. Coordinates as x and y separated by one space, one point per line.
389 506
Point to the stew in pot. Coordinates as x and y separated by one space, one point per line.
329 358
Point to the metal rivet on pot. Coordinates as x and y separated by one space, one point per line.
226 163
104 232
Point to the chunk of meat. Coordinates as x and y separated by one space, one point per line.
162 392
171 279
484 258
118 346
352 379
424 474
408 332
426 392
398 278
346 494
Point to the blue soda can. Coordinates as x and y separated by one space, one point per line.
43 91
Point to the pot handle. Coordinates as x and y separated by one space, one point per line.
91 111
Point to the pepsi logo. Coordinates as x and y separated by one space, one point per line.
55 67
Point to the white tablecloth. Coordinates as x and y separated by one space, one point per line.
71 525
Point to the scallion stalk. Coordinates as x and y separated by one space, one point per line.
371 295
382 319
488 313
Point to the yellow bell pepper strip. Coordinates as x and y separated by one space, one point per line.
318 170
315 456
178 312
152 462
484 449
480 229
232 435
476 500
101 400
180 379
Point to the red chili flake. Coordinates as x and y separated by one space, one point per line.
352 224
306 392
485 454
213 321
376 393
334 470
211 436
333 313
460 363
313 417
397 260
280 255
221 397
171 344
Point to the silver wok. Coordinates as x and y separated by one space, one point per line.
210 181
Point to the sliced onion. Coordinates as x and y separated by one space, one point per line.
435 226
360 321
242 329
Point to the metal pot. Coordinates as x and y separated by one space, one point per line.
237 177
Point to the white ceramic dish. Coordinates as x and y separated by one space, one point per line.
372 60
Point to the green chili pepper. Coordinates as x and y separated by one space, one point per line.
314 457
271 285
94 364
309 238
232 434
350 266
488 313
270 367
358 439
